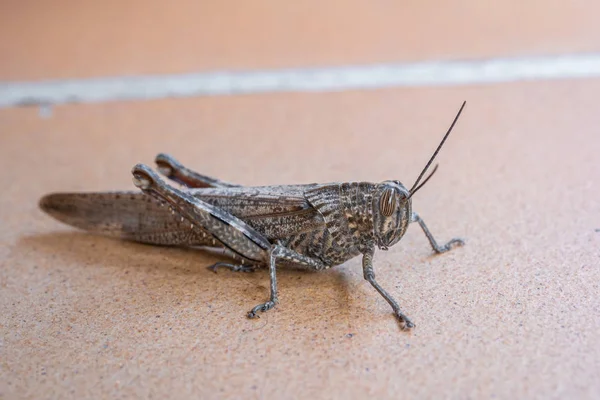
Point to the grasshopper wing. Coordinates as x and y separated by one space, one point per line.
277 212
126 215
139 217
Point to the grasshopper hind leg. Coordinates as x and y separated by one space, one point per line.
174 170
227 230
280 252
238 238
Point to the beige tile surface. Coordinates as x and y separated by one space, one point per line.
79 39
515 313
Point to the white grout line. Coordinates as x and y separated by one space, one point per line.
435 73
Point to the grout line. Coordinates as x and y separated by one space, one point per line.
434 73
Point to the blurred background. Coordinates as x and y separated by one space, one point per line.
73 40
266 92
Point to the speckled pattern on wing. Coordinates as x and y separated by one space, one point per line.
277 212
125 215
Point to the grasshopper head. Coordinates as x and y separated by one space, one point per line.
392 210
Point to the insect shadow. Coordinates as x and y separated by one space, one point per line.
186 266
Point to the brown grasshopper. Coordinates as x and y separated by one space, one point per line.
314 226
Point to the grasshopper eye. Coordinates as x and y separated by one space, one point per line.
387 203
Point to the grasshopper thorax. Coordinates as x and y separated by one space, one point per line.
392 209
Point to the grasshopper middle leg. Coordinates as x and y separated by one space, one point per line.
280 252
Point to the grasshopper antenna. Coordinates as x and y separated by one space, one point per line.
416 185
413 191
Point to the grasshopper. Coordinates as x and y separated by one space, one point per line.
312 226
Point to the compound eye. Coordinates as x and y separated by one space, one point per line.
387 203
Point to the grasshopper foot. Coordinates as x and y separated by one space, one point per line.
405 323
262 308
233 267
456 242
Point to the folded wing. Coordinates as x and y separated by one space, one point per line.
273 211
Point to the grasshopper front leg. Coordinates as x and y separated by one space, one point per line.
240 239
369 275
434 245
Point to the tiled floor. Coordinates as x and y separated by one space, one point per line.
514 313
